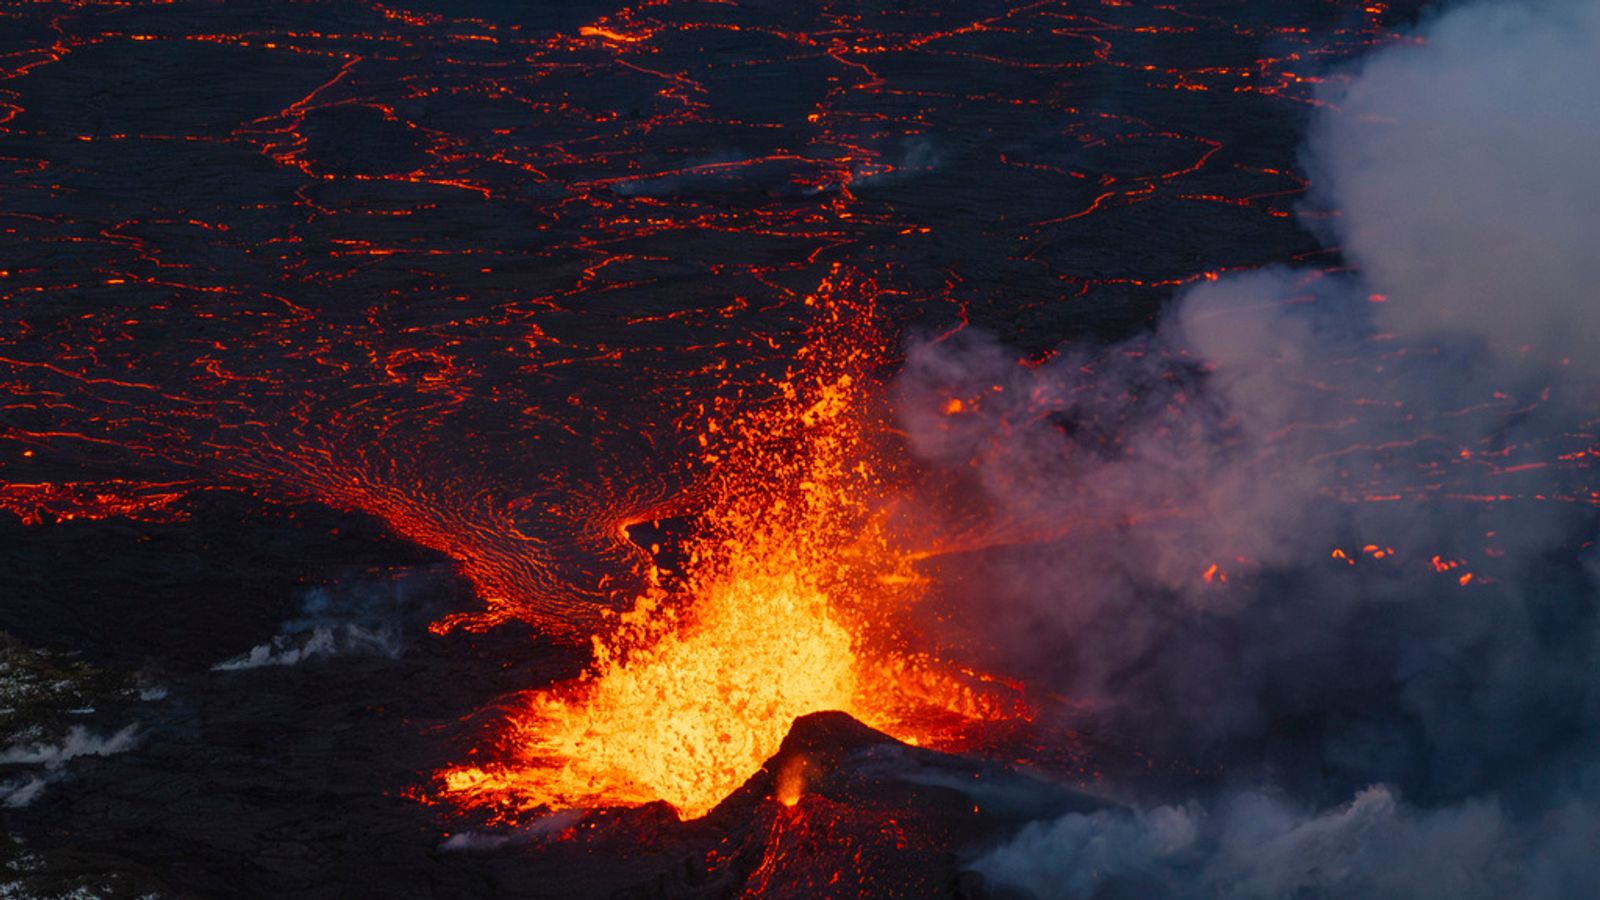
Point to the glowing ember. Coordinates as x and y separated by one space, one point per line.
791 780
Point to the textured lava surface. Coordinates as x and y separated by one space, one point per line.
424 302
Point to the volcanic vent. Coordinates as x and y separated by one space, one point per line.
793 601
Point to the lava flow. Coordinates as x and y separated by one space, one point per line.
509 281
788 607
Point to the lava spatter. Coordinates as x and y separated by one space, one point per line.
792 589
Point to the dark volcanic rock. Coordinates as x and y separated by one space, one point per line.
295 780
843 810
474 267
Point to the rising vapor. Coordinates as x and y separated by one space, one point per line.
1327 533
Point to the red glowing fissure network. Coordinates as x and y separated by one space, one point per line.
514 287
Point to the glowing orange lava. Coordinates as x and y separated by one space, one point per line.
792 588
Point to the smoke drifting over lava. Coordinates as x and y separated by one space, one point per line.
1465 171
1325 535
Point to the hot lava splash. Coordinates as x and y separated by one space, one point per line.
788 607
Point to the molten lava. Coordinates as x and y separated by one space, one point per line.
348 319
693 709
788 609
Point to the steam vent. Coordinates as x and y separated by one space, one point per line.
1004 449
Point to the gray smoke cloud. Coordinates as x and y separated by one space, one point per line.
1244 539
1260 846
1465 170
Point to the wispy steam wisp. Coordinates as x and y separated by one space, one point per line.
40 763
362 618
